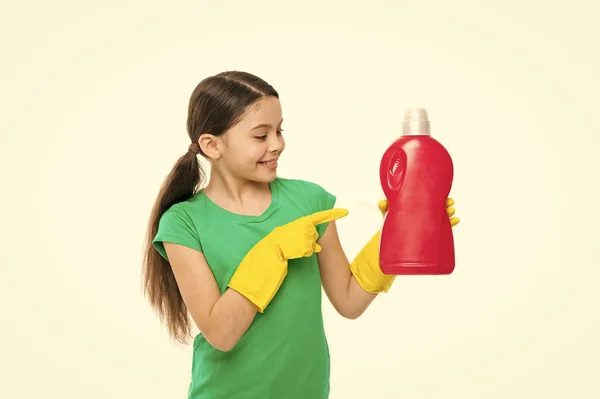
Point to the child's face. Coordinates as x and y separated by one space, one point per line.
251 148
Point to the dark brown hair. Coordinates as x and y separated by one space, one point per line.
216 104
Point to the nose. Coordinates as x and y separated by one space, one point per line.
276 143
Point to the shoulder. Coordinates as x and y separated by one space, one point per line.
176 215
178 225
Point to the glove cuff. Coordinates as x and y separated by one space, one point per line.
260 274
366 270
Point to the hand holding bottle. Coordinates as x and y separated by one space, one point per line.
383 206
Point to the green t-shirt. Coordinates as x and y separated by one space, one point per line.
284 353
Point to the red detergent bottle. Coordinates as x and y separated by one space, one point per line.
416 174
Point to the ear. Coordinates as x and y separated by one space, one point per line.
210 145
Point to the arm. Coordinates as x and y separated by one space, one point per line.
222 319
341 287
351 287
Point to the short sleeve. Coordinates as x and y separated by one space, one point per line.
323 200
176 226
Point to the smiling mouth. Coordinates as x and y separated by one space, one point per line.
269 163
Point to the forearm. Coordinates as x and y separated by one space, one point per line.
228 320
345 293
221 318
351 287
357 299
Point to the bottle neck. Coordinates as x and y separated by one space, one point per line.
416 128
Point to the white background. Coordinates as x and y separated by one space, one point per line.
92 117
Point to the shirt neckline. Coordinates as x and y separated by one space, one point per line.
238 217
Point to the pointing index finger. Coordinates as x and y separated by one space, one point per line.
328 215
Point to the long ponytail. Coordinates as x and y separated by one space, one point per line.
160 286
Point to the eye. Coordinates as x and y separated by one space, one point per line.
280 131
261 138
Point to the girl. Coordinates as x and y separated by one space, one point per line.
245 255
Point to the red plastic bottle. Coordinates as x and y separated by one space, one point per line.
416 175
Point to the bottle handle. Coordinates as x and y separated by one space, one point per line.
391 170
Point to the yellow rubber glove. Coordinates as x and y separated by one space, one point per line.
365 267
263 269
451 211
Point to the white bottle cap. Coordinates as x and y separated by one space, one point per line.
416 122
